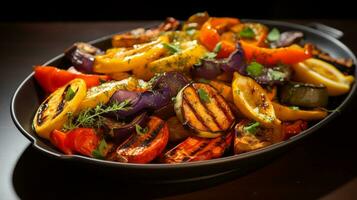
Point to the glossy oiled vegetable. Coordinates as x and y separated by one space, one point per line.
305 95
53 112
196 149
145 145
285 113
202 109
252 100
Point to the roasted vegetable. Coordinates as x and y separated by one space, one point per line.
285 113
223 89
121 130
252 33
347 63
101 94
316 71
53 112
177 131
305 95
293 128
174 81
202 109
195 21
181 61
287 38
80 140
145 145
286 55
52 78
140 35
196 149
210 68
250 136
119 60
139 102
81 55
252 100
270 76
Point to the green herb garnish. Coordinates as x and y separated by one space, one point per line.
273 35
100 150
218 47
140 130
70 94
172 48
203 95
210 55
93 117
252 128
247 32
254 69
276 75
294 108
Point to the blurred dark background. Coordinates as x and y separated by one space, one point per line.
86 10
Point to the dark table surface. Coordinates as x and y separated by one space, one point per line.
322 166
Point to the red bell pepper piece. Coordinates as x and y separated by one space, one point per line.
52 78
287 55
79 140
210 37
293 128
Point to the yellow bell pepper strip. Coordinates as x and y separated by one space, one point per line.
102 93
285 113
53 112
209 35
180 61
252 101
316 71
286 55
123 61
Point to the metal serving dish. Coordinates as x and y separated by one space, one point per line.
28 97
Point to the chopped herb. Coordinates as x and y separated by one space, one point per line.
218 47
173 99
210 55
247 32
100 150
140 130
172 48
254 69
252 128
276 75
93 117
273 35
69 94
294 108
203 95
237 91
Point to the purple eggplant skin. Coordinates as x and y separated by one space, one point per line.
82 56
122 130
287 38
174 81
211 68
277 75
139 102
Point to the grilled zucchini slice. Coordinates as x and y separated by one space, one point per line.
201 108
53 112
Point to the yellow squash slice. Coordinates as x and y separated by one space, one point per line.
252 100
53 112
316 71
285 113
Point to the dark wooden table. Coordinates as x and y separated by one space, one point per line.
323 166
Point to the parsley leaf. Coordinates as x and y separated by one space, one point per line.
274 35
210 55
252 128
254 69
100 150
172 48
218 47
203 95
140 130
247 32
69 94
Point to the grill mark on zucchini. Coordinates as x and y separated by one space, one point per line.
199 118
209 121
226 110
40 117
60 106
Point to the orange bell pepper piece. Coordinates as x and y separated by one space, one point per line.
287 55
